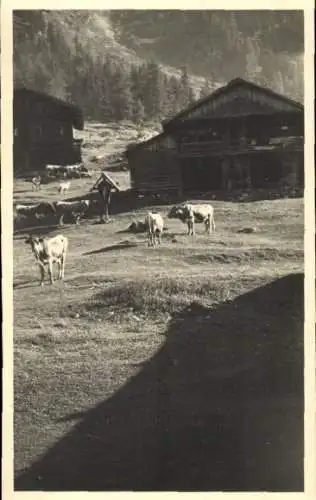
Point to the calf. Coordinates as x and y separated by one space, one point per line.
194 214
63 187
47 252
74 208
154 225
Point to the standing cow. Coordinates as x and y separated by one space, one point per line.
47 252
76 209
154 225
191 214
63 187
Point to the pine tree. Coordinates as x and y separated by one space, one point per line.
121 95
105 78
153 91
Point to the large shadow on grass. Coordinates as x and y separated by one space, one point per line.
219 407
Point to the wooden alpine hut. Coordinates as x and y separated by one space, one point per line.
242 136
43 130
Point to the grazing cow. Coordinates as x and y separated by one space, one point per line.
71 171
47 252
74 208
56 171
26 210
39 209
36 183
194 214
76 171
154 226
51 170
63 187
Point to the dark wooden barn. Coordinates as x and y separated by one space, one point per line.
242 136
43 131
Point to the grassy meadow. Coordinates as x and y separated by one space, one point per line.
176 367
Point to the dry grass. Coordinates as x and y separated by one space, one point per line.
110 141
82 344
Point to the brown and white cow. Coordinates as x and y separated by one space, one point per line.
192 214
48 251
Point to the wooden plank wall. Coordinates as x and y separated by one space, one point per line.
153 171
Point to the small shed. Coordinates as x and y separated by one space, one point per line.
43 130
153 165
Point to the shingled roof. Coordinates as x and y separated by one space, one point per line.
75 112
236 82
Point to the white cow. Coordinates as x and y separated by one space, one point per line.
63 187
191 214
74 208
154 225
47 252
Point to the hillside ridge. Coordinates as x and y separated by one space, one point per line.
53 49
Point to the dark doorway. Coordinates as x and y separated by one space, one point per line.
265 170
201 174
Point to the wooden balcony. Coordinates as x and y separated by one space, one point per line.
220 148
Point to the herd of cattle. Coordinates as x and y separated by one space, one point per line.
59 209
64 172
68 171
189 214
48 251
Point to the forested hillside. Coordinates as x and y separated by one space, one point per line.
147 65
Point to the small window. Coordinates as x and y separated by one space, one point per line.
16 132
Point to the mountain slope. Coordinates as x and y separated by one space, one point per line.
203 38
54 48
267 46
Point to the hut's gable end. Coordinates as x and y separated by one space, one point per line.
238 102
161 143
44 106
